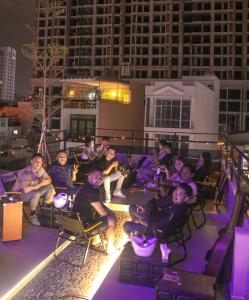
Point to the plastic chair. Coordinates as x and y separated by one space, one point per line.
177 235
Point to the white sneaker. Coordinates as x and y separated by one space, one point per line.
165 251
119 194
108 198
34 220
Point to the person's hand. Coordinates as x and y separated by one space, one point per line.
75 168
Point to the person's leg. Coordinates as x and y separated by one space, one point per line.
133 227
110 233
107 186
133 212
33 197
47 192
120 179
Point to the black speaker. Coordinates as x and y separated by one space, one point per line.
183 285
46 217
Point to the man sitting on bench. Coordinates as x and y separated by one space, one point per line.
33 182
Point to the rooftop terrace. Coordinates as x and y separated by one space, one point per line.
29 271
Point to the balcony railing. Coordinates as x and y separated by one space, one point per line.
80 103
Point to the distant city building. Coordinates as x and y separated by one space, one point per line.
156 40
7 74
19 118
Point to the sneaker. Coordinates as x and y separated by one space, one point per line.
165 251
34 220
107 199
119 194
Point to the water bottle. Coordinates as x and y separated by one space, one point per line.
69 202
158 172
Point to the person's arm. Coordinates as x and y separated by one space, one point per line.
43 180
108 170
100 151
99 208
27 187
165 170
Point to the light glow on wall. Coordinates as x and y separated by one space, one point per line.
71 93
120 95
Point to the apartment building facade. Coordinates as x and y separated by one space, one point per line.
184 112
156 39
7 74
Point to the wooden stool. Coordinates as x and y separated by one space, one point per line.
11 221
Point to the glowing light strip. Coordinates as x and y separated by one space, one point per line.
118 207
26 279
104 270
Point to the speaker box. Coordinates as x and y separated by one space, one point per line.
46 217
137 270
183 285
11 221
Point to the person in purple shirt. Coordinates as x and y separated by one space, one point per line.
63 174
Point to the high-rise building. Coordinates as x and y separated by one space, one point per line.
156 39
7 73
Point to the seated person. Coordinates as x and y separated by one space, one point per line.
163 213
87 201
173 174
88 153
187 177
102 148
204 166
109 168
164 156
144 169
63 174
34 182
143 214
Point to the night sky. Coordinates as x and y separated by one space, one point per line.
14 14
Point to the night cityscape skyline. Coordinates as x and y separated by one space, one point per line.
14 15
